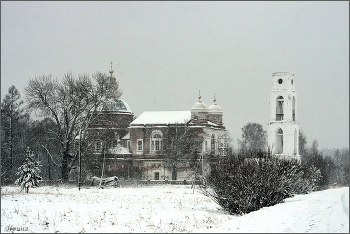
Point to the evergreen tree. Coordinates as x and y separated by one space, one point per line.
29 172
13 134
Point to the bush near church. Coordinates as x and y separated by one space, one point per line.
241 185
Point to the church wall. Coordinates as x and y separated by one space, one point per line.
215 118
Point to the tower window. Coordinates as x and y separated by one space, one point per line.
280 81
293 110
279 108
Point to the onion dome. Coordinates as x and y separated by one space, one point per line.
117 105
214 108
199 106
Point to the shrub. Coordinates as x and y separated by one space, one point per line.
241 185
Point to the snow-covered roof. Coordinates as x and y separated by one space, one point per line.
162 117
215 108
199 106
111 104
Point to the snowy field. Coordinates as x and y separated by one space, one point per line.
164 208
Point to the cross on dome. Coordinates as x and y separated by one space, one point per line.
111 70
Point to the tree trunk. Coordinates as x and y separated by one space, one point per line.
65 170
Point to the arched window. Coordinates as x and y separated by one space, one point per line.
212 144
279 108
156 141
279 141
293 109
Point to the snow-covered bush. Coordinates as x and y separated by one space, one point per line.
28 172
241 185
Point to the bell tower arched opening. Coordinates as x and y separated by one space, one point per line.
279 108
293 109
279 141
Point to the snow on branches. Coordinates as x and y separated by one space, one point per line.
28 172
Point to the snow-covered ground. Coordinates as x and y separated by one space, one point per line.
164 208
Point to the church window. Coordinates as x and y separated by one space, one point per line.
212 144
139 144
279 108
280 81
156 175
156 143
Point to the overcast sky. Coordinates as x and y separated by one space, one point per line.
163 53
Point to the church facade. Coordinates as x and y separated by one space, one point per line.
157 145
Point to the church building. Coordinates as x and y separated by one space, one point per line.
157 145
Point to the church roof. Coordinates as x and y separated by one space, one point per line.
162 117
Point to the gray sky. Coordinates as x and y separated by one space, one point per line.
163 53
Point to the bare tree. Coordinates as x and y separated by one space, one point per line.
182 147
253 139
72 103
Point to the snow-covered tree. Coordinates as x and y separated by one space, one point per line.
28 172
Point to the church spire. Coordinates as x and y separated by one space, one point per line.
111 70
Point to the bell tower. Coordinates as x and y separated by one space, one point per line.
283 128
